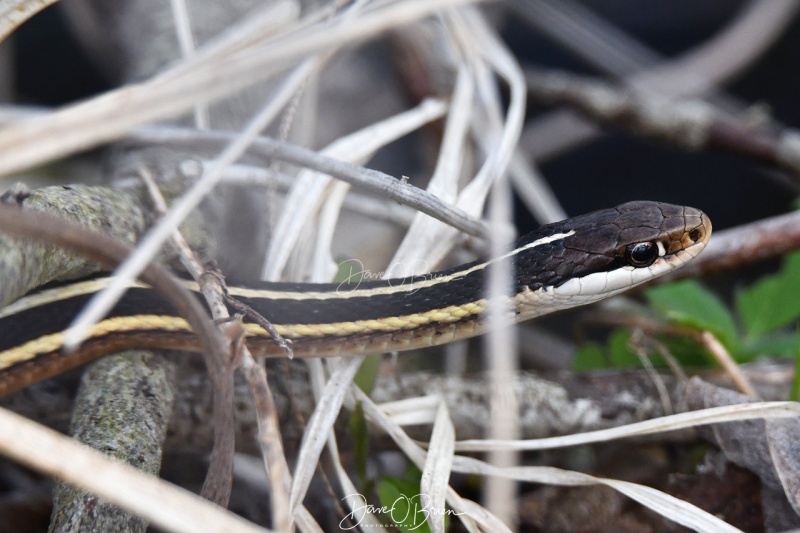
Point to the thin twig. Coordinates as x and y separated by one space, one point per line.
269 440
269 433
704 338
723 357
259 319
637 343
367 179
219 482
250 175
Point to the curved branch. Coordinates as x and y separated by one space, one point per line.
689 123
108 252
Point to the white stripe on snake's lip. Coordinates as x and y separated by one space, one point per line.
598 286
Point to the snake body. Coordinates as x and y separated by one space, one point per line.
559 266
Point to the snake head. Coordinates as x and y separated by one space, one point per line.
593 256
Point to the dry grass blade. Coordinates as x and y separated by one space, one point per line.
668 506
183 31
167 506
359 512
714 415
484 521
436 472
107 117
410 411
427 240
310 188
723 357
14 12
320 427
474 516
147 249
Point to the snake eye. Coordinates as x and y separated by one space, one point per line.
641 254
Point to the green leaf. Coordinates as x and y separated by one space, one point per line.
368 372
619 349
401 503
687 351
690 304
349 271
360 435
757 307
796 381
774 344
590 356
616 353
772 302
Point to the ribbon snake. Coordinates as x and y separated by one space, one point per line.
560 266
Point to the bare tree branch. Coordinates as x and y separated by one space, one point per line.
691 124
108 251
749 243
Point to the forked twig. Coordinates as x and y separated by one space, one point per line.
215 292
